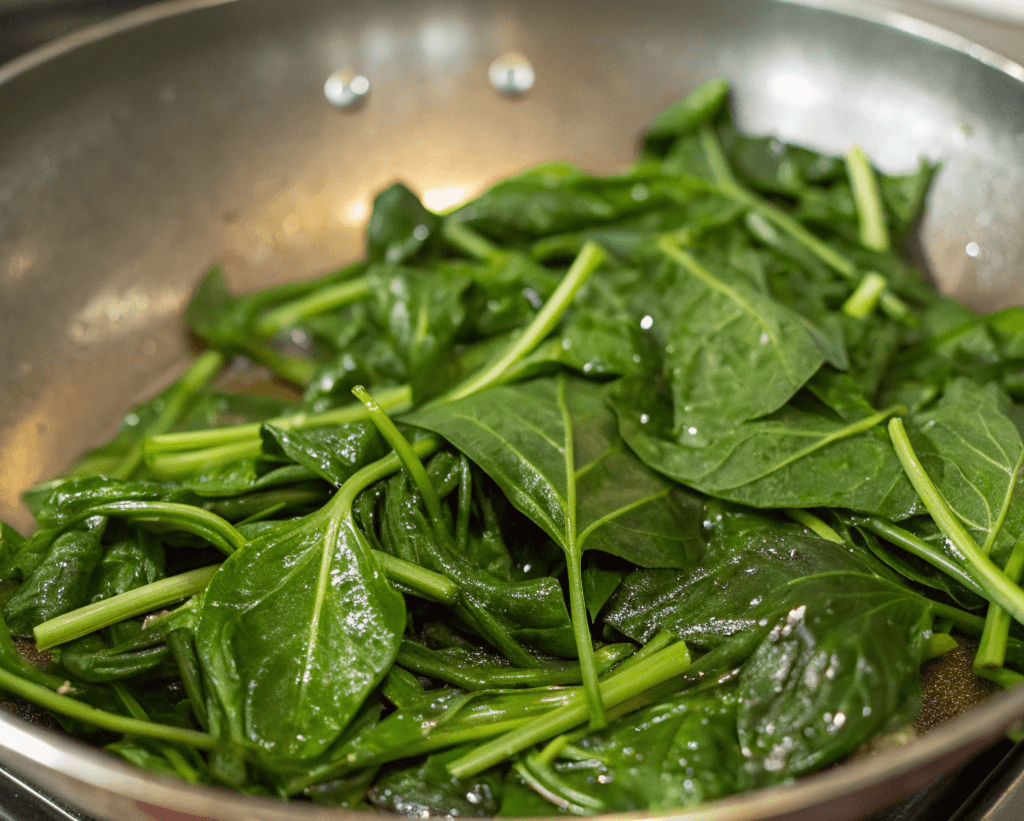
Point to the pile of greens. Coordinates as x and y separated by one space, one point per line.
654 488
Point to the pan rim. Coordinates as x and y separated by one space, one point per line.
27 746
77 761
163 9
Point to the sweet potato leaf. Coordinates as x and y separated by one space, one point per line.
804 455
296 629
732 353
974 453
60 582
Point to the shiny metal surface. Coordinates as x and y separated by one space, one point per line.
134 155
1001 798
346 89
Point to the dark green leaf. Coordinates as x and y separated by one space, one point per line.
748 561
732 354
904 195
225 322
11 543
429 789
89 659
60 583
508 614
334 452
830 675
127 564
449 717
800 456
622 506
839 643
540 201
699 106
399 227
517 435
974 453
677 753
774 167
599 583
215 409
296 629
13 662
477 668
75 497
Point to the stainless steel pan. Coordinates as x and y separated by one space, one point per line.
135 154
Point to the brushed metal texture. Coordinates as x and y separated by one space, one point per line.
136 153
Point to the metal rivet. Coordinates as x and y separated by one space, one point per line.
511 74
346 89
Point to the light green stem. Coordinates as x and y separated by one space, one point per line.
410 461
966 623
181 643
617 688
217 531
291 368
814 524
96 616
864 299
92 617
319 301
660 641
374 472
206 366
584 643
992 647
245 439
128 700
393 400
727 185
551 750
1006 679
341 505
545 781
170 465
873 231
938 645
589 258
72 708
429 584
573 547
919 547
896 308
822 250
1000 589
418 660
468 241
465 506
